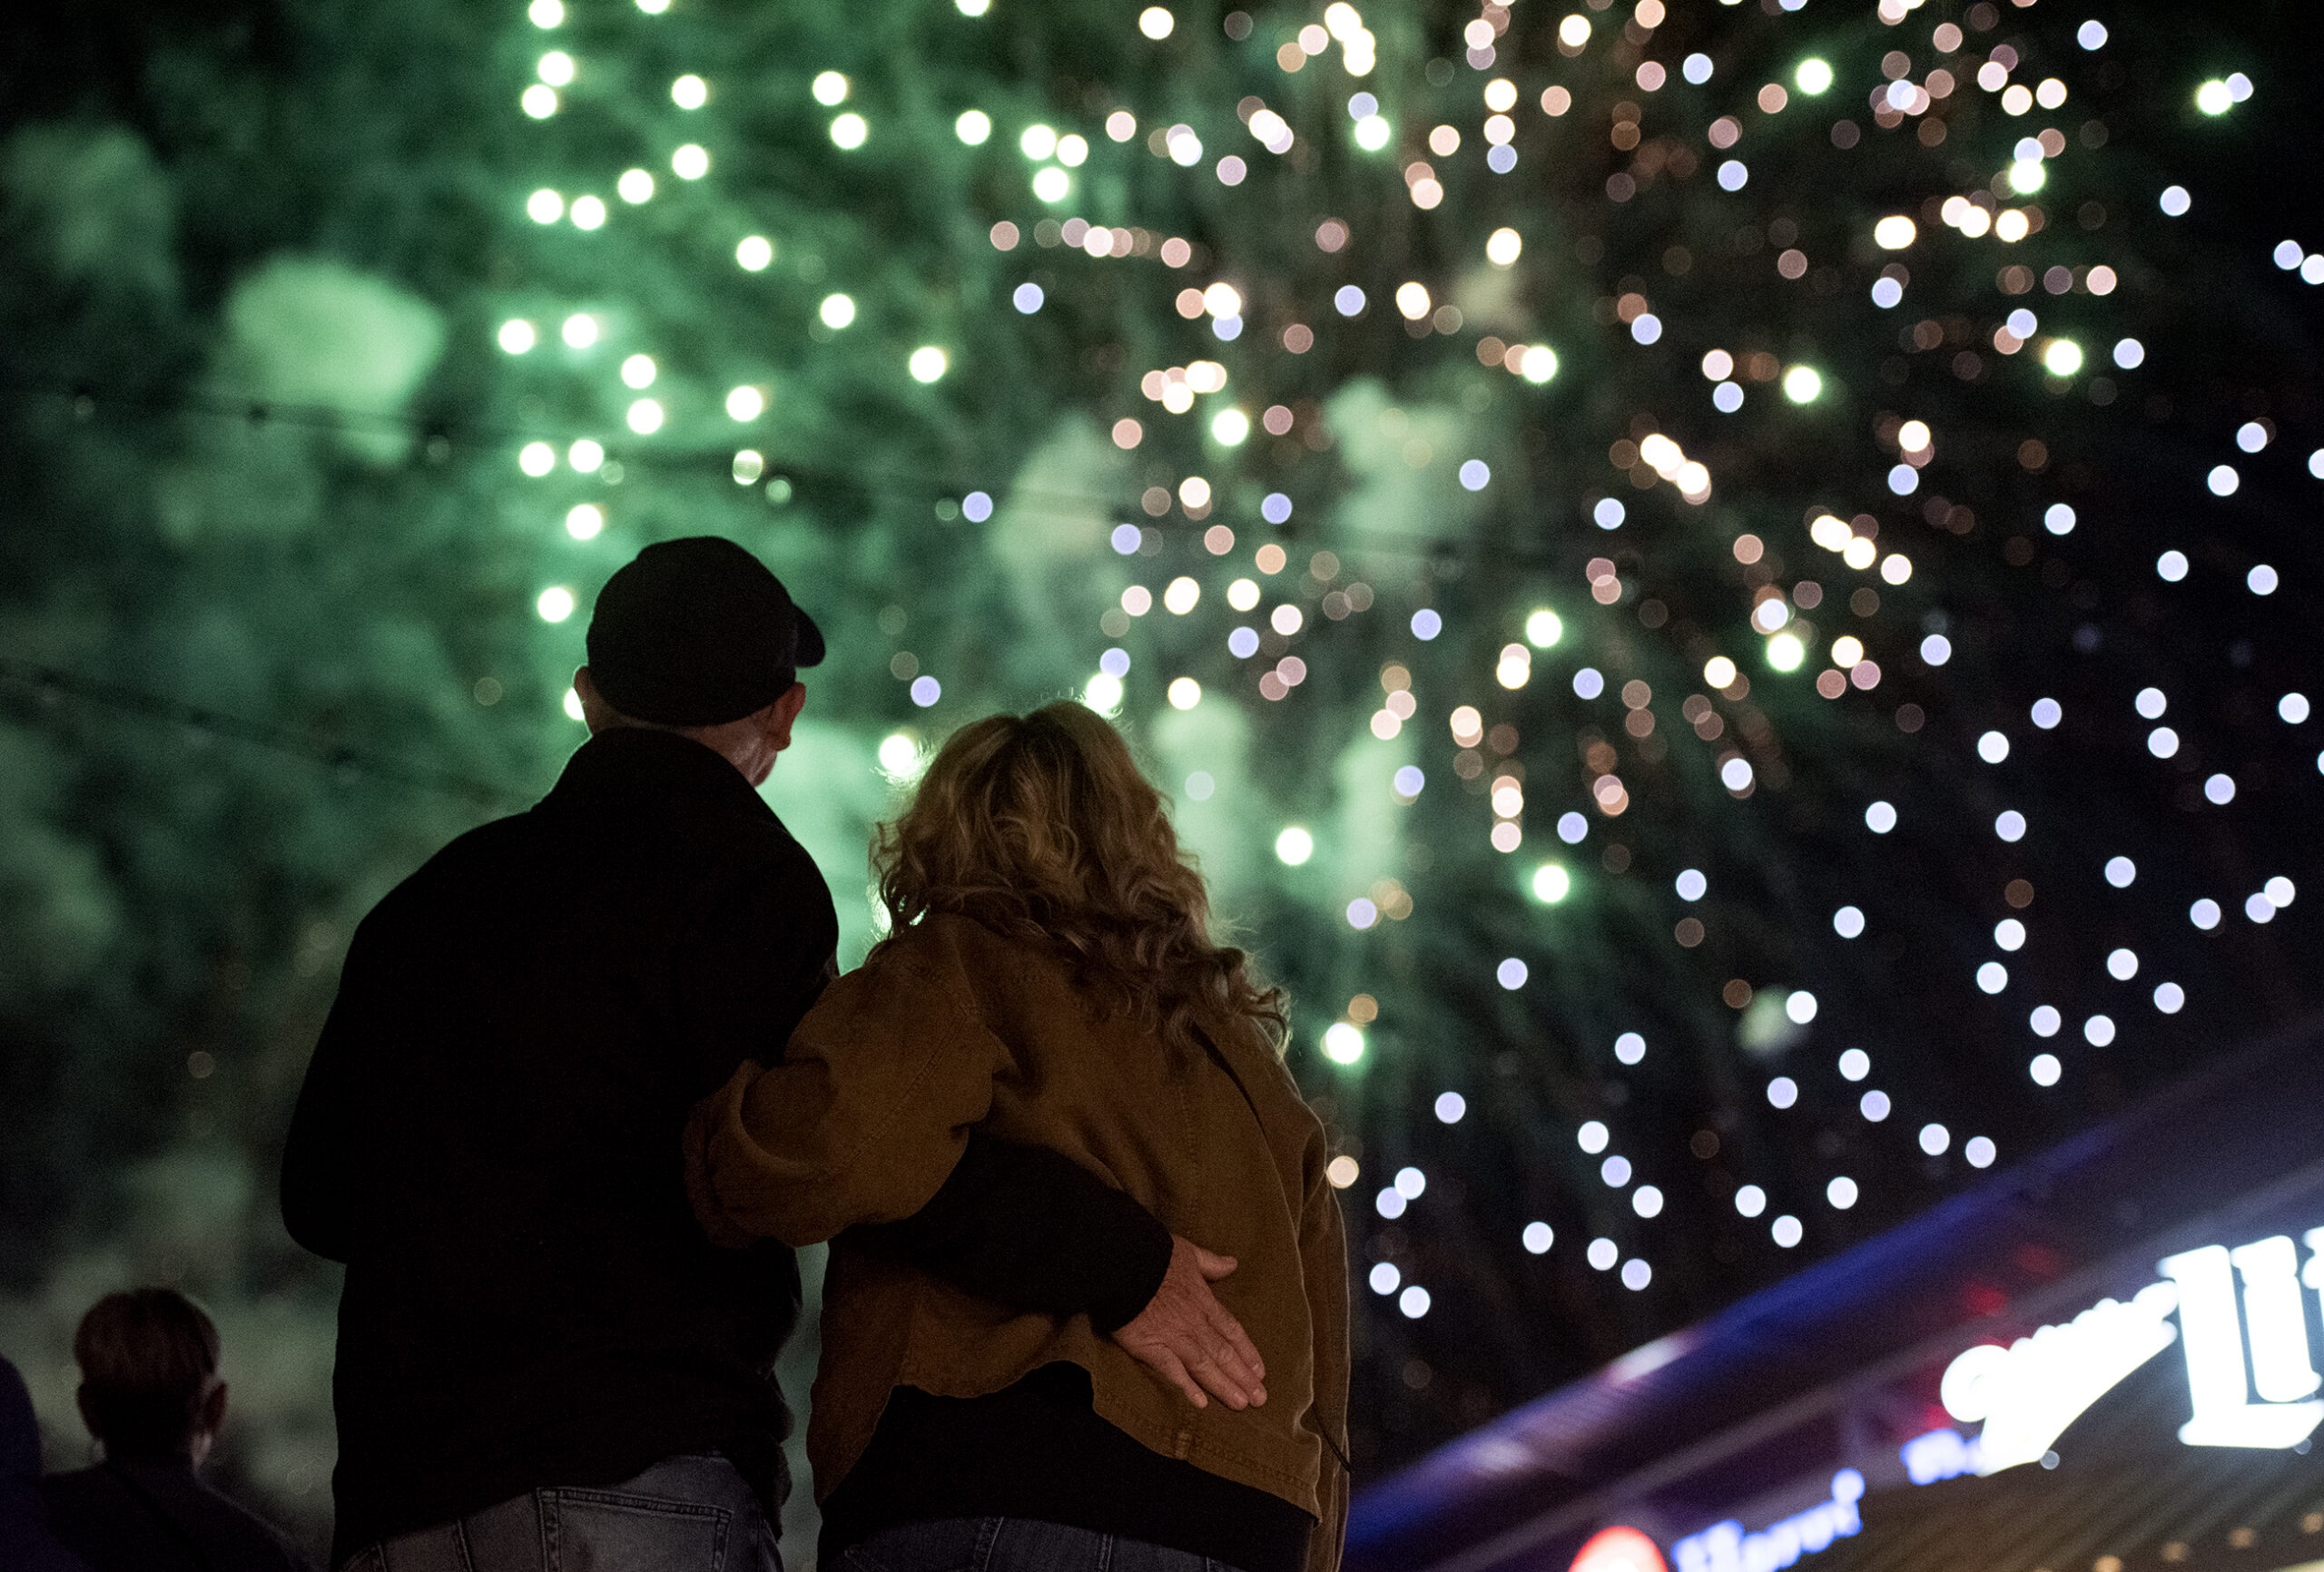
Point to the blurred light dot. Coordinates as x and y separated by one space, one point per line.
1629 1048
2220 790
2204 914
556 604
1294 846
1510 973
1026 297
1426 625
1855 1064
926 691
1980 1152
1538 1237
2098 1030
1635 1274
1993 747
1874 1105
2120 872
1691 884
1411 1183
2259 908
2170 997
1783 1092
1450 1107
1474 475
2278 890
1992 977
1615 1170
1344 1045
1880 818
1935 1139
2010 825
926 363
1603 1252
1841 1193
1408 780
1787 1231
753 252
2292 708
1799 1005
1847 923
2044 1070
1388 1204
1385 1277
1750 1201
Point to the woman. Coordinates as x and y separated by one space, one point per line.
1048 974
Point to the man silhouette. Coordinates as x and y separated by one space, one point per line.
537 1346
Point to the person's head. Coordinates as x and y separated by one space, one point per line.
696 636
149 1376
1041 827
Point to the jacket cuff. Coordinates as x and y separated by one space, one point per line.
1126 1283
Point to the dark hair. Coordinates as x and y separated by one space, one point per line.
147 1358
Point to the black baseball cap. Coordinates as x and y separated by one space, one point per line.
697 632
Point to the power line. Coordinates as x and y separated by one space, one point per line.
42 687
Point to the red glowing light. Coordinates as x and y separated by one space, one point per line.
1618 1549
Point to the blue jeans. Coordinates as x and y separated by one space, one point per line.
1012 1545
693 1514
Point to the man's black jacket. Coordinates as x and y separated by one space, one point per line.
488 1137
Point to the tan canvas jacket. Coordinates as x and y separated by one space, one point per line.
952 1026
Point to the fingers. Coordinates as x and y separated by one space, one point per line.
1169 1364
1213 1267
1238 1344
1216 1379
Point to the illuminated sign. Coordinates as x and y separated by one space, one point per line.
1725 1547
2029 1392
1618 1549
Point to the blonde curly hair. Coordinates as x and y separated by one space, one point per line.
1041 827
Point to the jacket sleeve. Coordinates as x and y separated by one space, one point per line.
1032 1228
1323 1256
756 955
865 1117
318 1192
